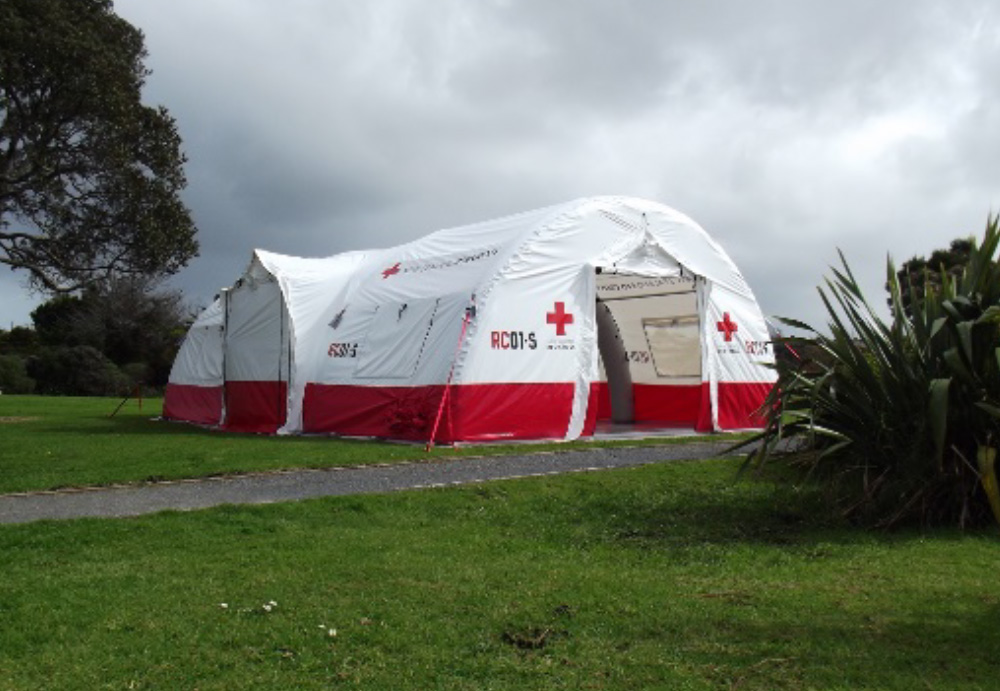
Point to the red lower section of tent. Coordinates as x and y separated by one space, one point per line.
256 406
740 404
687 406
199 404
669 405
472 411
673 405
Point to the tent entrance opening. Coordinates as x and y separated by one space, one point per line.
649 340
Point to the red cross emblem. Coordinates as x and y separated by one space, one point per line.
560 318
391 271
727 326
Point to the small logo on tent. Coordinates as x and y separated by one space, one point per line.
391 271
727 327
560 317
340 350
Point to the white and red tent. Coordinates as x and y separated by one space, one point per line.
527 327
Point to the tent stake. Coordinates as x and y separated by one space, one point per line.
138 396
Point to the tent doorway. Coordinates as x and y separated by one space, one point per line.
649 337
256 356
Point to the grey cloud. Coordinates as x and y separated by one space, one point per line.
786 129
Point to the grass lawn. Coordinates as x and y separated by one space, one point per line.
52 442
670 576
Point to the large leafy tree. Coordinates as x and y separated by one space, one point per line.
89 176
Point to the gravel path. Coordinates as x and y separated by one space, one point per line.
265 488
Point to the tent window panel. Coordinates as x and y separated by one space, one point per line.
675 344
396 338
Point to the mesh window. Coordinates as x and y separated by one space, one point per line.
675 344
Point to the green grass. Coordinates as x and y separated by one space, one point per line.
52 442
670 576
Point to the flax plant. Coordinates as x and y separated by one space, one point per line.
898 419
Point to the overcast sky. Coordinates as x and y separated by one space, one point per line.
786 129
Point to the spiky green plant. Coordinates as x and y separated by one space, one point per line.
899 419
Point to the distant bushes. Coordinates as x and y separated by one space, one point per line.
14 377
899 421
78 371
68 371
106 341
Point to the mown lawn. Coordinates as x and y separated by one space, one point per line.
672 576
52 442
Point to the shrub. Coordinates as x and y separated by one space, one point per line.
76 371
899 420
137 373
20 340
14 377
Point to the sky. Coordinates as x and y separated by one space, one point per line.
788 130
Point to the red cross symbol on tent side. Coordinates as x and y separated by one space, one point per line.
727 326
560 318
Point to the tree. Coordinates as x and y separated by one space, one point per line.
14 375
918 275
141 324
127 319
19 341
89 176
64 321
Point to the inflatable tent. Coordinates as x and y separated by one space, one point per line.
528 327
